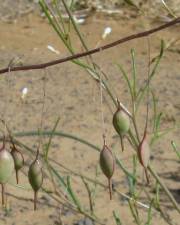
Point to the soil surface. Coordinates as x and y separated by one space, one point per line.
72 95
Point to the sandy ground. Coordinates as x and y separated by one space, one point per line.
72 95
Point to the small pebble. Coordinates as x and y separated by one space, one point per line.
85 221
88 221
80 222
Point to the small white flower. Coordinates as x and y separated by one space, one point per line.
107 31
24 92
53 49
78 20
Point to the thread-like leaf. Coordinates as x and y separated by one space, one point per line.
141 92
126 79
149 219
46 150
133 74
73 195
175 149
117 218
131 3
168 9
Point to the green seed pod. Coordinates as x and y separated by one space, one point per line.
107 162
6 167
18 160
107 165
35 176
121 122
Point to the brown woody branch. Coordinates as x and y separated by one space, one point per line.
95 50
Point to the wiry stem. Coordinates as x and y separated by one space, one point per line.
3 145
163 186
37 154
2 194
93 51
110 188
35 200
17 177
122 143
147 176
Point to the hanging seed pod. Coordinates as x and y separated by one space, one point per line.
6 167
18 160
121 123
144 154
107 165
35 176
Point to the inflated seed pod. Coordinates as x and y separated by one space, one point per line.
6 167
18 160
144 154
121 123
107 165
35 176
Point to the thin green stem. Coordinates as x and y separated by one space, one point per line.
75 25
163 186
133 212
110 188
134 73
135 126
2 194
60 16
35 200
91 206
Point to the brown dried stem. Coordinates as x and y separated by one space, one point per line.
93 51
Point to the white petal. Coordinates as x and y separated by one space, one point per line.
107 31
24 90
52 49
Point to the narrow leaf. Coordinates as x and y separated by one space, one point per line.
141 92
117 218
131 3
73 195
175 149
126 79
46 151
168 9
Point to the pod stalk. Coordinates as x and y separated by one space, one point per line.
2 194
17 177
35 200
110 188
147 176
3 145
122 143
37 155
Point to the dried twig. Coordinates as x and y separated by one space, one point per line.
95 50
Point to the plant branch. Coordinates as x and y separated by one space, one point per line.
93 51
